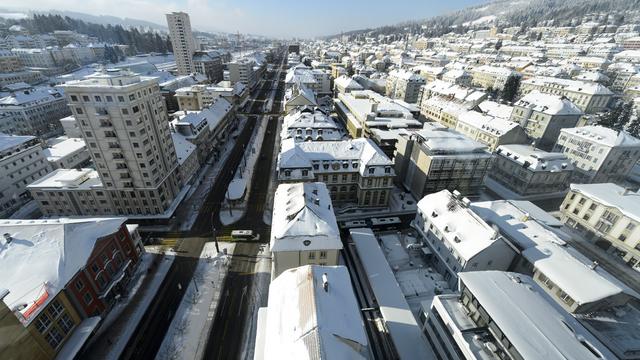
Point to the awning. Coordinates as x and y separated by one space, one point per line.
80 335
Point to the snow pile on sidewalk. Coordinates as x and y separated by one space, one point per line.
187 336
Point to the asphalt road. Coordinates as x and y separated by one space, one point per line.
150 333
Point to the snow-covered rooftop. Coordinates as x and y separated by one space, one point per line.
307 319
443 140
64 148
612 195
548 104
569 85
68 179
603 135
184 148
44 255
536 326
31 97
535 159
303 218
487 123
463 230
10 141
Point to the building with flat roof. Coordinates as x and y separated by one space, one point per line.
305 231
35 111
68 153
125 125
182 41
312 313
355 171
599 154
485 320
22 161
438 158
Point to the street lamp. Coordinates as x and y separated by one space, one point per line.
215 238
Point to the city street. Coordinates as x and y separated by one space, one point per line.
226 334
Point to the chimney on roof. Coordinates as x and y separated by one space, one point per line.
626 191
8 238
325 282
316 201
594 265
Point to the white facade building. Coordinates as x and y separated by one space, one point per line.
589 97
67 154
310 125
404 85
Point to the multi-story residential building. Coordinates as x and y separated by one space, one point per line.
453 92
242 70
437 158
9 62
487 76
181 41
485 320
355 171
526 171
608 215
316 80
328 313
444 111
36 58
70 127
68 153
299 96
310 125
368 114
66 274
589 97
544 115
22 76
404 85
345 84
208 129
458 77
458 238
208 63
124 123
35 111
489 130
305 231
197 97
22 161
598 154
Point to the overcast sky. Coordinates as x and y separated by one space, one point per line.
279 18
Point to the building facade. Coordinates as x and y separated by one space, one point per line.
181 41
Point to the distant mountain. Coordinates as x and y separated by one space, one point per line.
526 13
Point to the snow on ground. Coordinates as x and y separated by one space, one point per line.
206 178
245 171
189 330
483 20
117 340
258 298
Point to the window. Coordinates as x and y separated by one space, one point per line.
312 255
121 98
74 98
371 170
622 237
593 206
66 323
42 323
323 254
87 298
109 98
631 226
55 309
125 111
565 297
54 338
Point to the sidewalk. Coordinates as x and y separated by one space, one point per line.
121 322
258 299
273 180
189 330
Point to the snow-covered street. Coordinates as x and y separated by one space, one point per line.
189 330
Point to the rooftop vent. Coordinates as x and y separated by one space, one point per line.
594 265
316 201
8 238
325 282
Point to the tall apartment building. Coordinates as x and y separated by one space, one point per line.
437 158
589 97
404 85
608 215
125 125
485 320
598 154
526 171
21 162
305 231
35 111
182 41
356 171
544 115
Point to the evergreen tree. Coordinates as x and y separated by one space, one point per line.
510 89
633 127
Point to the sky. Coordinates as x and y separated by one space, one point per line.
277 18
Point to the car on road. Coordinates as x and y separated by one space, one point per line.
244 235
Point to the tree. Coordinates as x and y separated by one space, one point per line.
633 128
510 89
498 45
617 117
